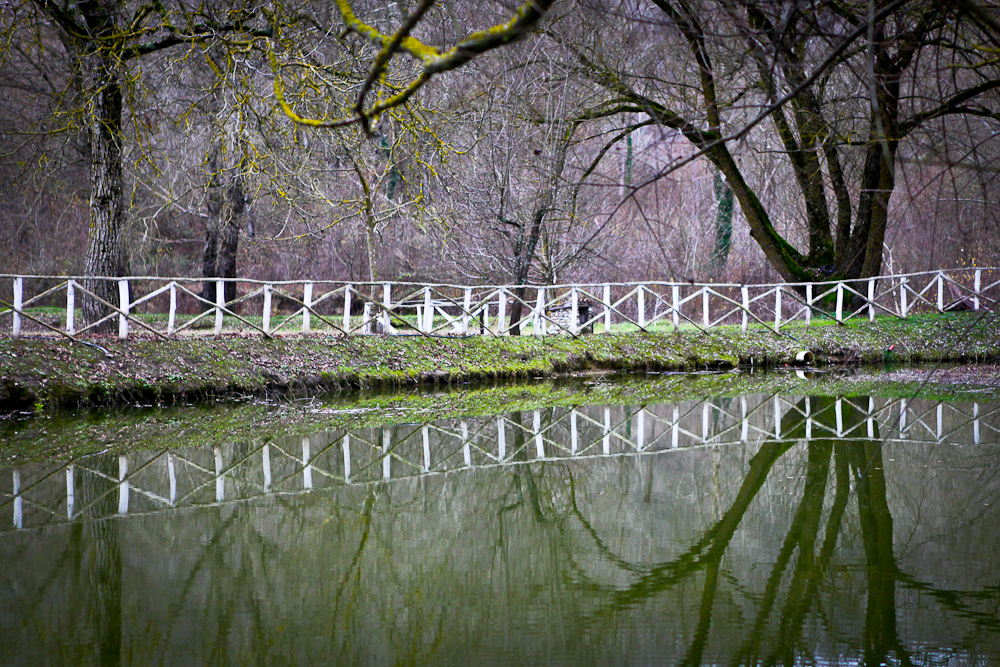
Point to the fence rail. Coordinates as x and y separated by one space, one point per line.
169 307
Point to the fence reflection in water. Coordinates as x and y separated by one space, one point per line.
144 482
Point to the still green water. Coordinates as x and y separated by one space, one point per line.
764 529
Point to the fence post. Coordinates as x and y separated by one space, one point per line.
902 296
607 308
777 307
641 305
809 304
386 307
307 300
172 315
676 297
220 302
347 308
840 303
466 307
940 300
266 314
871 299
425 315
574 311
366 319
745 293
123 306
978 283
704 306
70 307
18 302
502 313
539 320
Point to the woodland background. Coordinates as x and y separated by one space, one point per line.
705 140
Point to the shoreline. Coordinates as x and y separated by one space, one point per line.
44 374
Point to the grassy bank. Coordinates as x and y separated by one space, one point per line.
39 374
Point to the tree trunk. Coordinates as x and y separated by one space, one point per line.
106 255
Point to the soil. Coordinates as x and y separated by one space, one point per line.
39 374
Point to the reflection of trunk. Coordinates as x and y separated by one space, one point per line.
876 531
100 559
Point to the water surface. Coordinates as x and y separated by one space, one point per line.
765 529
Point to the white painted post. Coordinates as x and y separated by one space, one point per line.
220 302
536 425
902 418
977 285
18 304
871 299
386 307
871 419
347 459
745 293
347 308
307 470
466 307
940 419
574 311
123 306
539 320
425 437
777 307
266 313
366 319
172 316
607 309
70 490
840 303
940 291
704 306
641 305
427 325
502 313
902 296
70 307
307 300
809 303
675 295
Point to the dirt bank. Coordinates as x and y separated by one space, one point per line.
44 373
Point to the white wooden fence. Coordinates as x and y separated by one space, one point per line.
168 307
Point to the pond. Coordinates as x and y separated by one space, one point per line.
768 528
